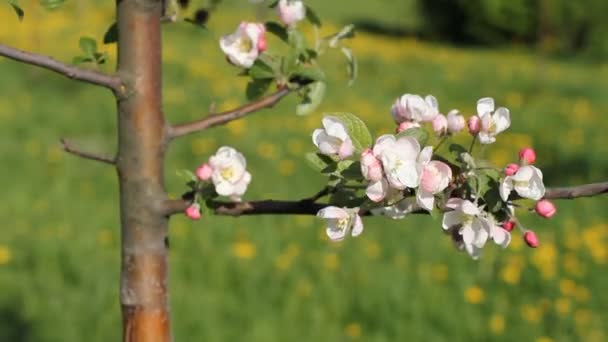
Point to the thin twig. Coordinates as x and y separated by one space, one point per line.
586 190
111 82
227 116
70 148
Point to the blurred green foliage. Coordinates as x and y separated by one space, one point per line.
278 278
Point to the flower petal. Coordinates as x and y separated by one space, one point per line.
335 128
501 119
357 226
506 186
376 191
485 106
332 212
335 234
425 200
450 219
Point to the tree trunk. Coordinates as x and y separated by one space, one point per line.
142 141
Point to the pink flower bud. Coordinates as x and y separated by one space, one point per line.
407 125
531 239
194 211
545 208
456 121
474 124
291 11
527 155
262 44
440 124
204 172
511 169
508 226
371 168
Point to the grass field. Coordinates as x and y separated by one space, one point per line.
279 278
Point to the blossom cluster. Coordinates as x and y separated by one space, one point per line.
401 175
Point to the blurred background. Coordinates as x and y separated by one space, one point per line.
279 278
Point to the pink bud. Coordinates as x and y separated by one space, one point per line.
194 211
527 155
508 226
371 168
531 239
204 172
545 208
440 124
262 44
474 124
407 125
456 121
511 169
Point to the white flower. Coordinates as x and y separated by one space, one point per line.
398 210
229 174
340 221
399 160
291 11
244 46
474 226
414 108
456 122
527 182
435 177
492 122
333 139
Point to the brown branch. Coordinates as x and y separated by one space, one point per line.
111 82
586 190
227 116
70 148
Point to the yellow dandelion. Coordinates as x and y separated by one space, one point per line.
530 313
582 317
353 330
5 255
267 150
331 261
287 167
497 324
236 128
544 258
203 146
244 250
295 147
563 306
567 287
474 295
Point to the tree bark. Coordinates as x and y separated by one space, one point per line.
142 141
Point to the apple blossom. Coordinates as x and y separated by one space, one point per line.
333 138
415 108
456 122
399 160
474 125
527 155
340 221
435 177
531 239
193 211
492 122
244 46
398 210
511 169
204 172
527 182
229 174
440 125
545 208
407 125
371 167
473 228
291 11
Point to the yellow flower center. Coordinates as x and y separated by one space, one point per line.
227 173
244 44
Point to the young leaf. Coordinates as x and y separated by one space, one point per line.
18 10
351 68
312 99
261 70
111 35
305 73
82 59
347 31
296 41
278 30
88 46
312 17
51 4
318 161
186 175
257 88
357 130
418 133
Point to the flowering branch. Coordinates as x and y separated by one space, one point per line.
586 190
70 148
227 116
111 82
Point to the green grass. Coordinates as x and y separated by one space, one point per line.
278 278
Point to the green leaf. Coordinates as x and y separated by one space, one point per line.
88 46
345 197
111 35
82 59
312 99
296 41
351 68
307 73
100 57
257 88
356 128
318 161
261 70
312 17
278 30
186 175
418 133
349 169
51 4
346 32
18 10
273 4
